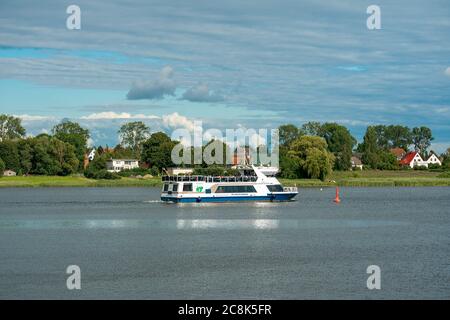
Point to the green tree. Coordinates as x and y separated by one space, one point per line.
73 133
312 128
9 153
52 156
421 138
289 166
398 136
10 127
2 167
340 142
157 150
314 160
370 148
446 159
25 155
122 152
133 135
381 137
288 133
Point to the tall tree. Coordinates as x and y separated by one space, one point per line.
340 142
312 156
26 155
52 156
311 128
157 150
2 167
446 159
133 135
421 138
74 134
287 134
370 148
398 136
10 154
10 127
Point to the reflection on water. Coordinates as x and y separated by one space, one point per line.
228 224
186 224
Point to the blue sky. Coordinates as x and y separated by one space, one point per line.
254 64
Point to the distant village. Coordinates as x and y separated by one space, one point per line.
313 150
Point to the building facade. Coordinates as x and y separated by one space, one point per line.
117 165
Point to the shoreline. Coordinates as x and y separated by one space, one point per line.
341 181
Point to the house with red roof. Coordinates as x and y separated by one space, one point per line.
399 153
413 159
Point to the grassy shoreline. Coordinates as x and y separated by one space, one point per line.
369 178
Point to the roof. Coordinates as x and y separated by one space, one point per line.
122 160
408 157
356 161
398 152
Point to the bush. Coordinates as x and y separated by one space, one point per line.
2 167
134 172
435 167
154 171
101 174
444 175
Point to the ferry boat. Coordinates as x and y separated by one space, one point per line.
254 187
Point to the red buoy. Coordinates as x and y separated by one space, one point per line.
337 199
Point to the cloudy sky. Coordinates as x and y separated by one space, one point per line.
234 63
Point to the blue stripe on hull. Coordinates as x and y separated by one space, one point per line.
275 197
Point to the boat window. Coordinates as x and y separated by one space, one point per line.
235 189
175 187
166 187
275 188
187 187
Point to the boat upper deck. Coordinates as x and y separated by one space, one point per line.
209 178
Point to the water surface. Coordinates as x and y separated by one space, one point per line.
130 245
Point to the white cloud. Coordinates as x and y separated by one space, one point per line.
201 93
27 117
157 89
90 142
108 115
175 121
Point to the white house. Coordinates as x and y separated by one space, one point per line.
9 173
413 159
433 159
356 163
116 165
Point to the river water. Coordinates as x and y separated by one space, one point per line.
129 245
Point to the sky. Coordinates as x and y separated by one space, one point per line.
230 64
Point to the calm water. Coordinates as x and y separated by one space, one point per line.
129 245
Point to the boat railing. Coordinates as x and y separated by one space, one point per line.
290 189
209 178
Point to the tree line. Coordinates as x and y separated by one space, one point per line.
313 150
